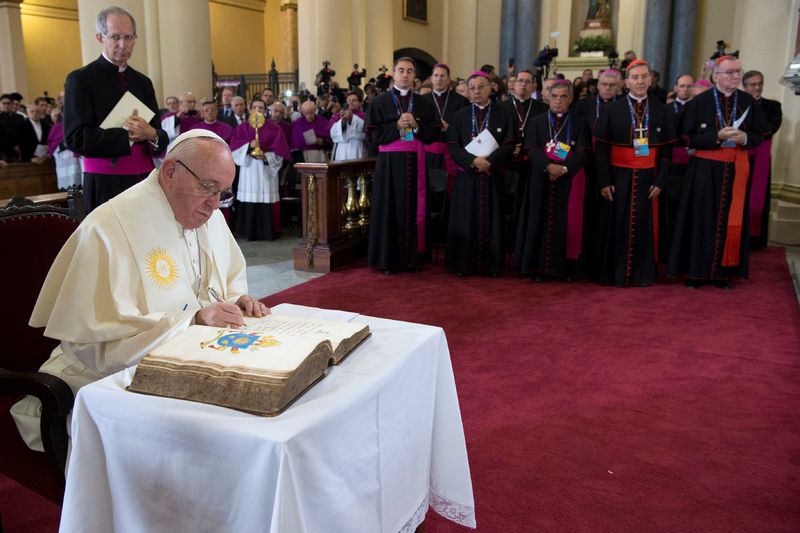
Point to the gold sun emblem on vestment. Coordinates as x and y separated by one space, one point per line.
161 268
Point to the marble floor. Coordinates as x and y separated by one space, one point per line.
269 265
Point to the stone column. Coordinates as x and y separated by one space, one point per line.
526 35
185 42
13 70
508 32
150 45
289 42
657 23
684 23
379 36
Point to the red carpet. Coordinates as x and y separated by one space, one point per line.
589 408
23 511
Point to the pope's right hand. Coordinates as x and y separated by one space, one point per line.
220 315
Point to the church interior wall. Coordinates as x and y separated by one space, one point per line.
272 35
52 44
489 14
428 37
237 38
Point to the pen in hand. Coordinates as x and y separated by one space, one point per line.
215 296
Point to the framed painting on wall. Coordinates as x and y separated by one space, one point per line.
416 10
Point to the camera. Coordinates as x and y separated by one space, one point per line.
323 78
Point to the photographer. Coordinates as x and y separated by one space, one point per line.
182 121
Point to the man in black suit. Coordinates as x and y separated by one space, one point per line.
114 158
33 137
239 112
10 129
225 109
761 161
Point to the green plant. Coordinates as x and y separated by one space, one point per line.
592 43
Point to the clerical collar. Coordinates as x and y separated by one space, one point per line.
438 93
723 92
637 98
682 102
403 92
559 115
521 101
482 107
119 69
210 123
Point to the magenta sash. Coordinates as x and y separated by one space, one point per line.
414 146
758 189
575 215
680 155
139 162
441 148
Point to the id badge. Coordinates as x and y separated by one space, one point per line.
407 134
728 144
557 151
640 147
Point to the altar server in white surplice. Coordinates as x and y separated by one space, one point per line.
141 268
258 214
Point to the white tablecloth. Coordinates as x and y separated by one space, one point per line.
367 449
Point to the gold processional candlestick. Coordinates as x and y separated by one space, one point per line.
256 120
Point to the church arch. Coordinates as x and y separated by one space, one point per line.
424 60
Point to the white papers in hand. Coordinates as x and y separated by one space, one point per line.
310 137
738 121
482 145
124 109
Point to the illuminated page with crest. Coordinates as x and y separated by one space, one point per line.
259 369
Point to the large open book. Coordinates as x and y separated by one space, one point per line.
261 368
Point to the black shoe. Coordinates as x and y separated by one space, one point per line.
568 279
722 284
461 275
493 275
386 272
537 279
692 284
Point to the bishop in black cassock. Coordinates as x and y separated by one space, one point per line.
549 233
761 161
588 109
632 146
475 233
400 124
712 230
446 102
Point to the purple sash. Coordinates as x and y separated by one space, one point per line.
575 215
414 146
139 162
758 189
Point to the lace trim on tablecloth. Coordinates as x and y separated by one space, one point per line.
456 512
417 518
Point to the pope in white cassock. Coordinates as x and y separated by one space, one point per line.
139 269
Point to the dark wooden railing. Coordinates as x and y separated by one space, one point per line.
28 179
335 213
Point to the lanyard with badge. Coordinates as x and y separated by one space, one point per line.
721 119
441 109
406 134
641 146
556 149
475 130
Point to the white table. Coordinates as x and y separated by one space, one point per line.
369 448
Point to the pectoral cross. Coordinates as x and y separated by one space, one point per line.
641 131
551 146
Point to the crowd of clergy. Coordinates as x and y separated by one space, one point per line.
601 178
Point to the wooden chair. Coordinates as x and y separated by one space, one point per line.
31 237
